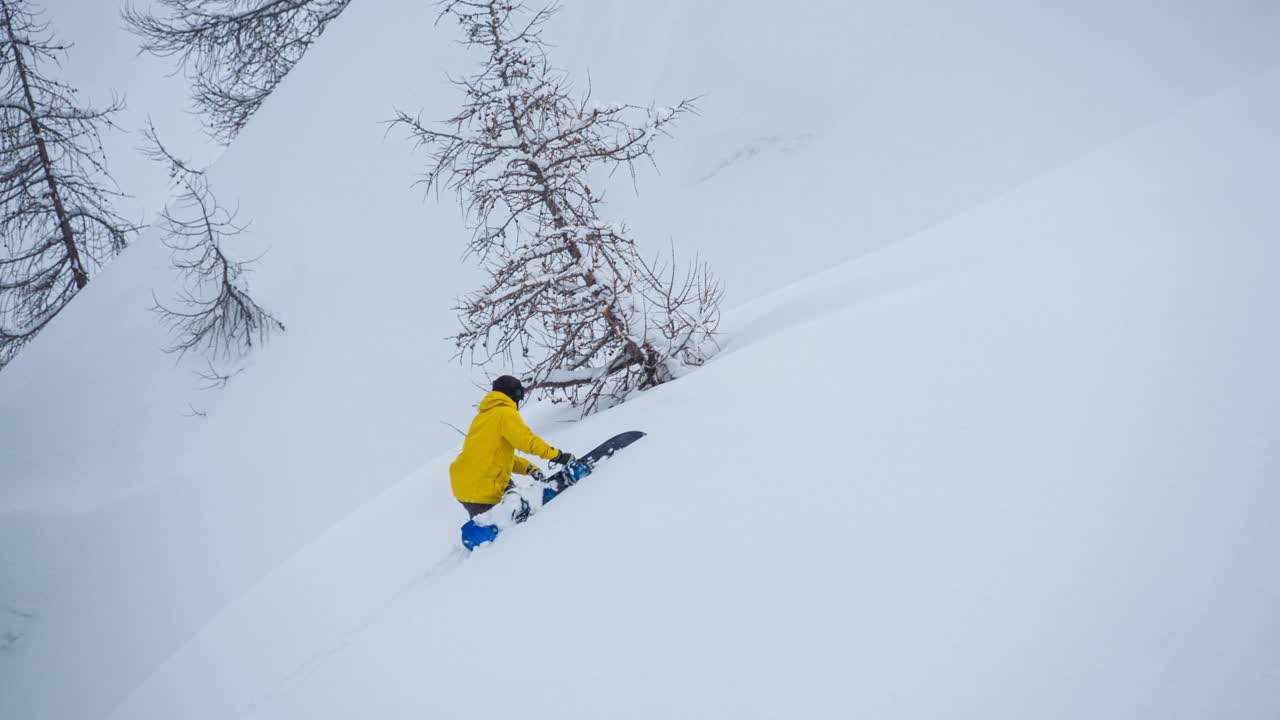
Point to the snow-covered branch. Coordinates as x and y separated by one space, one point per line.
569 298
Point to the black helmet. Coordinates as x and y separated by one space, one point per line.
511 387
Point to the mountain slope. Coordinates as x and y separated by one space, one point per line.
1020 465
170 564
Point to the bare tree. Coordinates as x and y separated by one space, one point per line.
216 315
569 297
57 224
234 52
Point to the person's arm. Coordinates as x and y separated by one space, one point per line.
520 466
523 439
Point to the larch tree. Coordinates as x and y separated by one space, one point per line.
57 222
214 314
234 52
570 302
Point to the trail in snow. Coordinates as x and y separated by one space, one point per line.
436 573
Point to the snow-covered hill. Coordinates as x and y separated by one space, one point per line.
1017 461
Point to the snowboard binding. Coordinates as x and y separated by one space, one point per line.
575 471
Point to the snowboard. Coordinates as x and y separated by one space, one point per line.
515 507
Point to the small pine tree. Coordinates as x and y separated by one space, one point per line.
569 299
234 52
57 224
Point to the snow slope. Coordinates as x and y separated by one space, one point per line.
1018 464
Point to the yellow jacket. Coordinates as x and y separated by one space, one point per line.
483 469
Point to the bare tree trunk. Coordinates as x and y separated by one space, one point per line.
568 298
548 199
64 221
57 223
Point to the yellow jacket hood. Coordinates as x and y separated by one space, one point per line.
497 399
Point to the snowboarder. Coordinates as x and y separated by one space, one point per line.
482 471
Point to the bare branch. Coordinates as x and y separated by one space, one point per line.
215 379
57 223
214 313
234 52
569 299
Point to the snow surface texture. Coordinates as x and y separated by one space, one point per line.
1019 461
